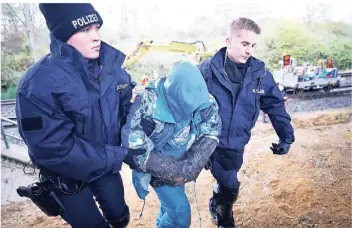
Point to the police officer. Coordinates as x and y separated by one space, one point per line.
70 108
242 86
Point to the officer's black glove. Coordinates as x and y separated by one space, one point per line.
148 126
208 165
209 162
126 93
131 158
133 84
281 148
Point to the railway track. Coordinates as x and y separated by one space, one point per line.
8 118
320 94
7 124
8 102
8 106
8 112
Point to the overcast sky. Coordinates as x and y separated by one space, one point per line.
176 12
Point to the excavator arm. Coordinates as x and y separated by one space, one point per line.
174 46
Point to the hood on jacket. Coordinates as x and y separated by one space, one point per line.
185 90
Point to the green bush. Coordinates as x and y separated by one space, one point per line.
10 93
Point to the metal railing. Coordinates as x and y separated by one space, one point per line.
8 102
4 134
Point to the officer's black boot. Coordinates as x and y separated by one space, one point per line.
121 222
220 207
212 207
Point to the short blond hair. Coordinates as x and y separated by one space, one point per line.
243 23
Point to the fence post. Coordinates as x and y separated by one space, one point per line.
4 136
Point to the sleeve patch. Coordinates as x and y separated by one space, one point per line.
32 124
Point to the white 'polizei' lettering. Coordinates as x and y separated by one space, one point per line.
74 24
88 19
95 18
80 22
86 22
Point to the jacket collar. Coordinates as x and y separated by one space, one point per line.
109 57
254 64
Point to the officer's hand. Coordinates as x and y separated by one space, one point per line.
126 92
148 126
208 165
281 148
209 162
131 158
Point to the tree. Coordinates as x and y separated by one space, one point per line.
19 43
326 40
25 15
315 12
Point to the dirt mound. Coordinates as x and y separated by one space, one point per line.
308 120
322 119
309 187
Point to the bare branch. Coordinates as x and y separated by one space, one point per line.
14 13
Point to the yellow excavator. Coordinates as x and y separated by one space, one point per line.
174 46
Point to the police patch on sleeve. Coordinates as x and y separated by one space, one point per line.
32 123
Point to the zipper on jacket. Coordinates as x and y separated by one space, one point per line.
239 91
94 80
238 95
241 85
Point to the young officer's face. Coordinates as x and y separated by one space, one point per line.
241 45
87 41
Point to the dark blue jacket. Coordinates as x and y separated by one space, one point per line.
69 118
258 91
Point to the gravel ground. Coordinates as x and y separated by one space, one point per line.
13 131
8 111
319 104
